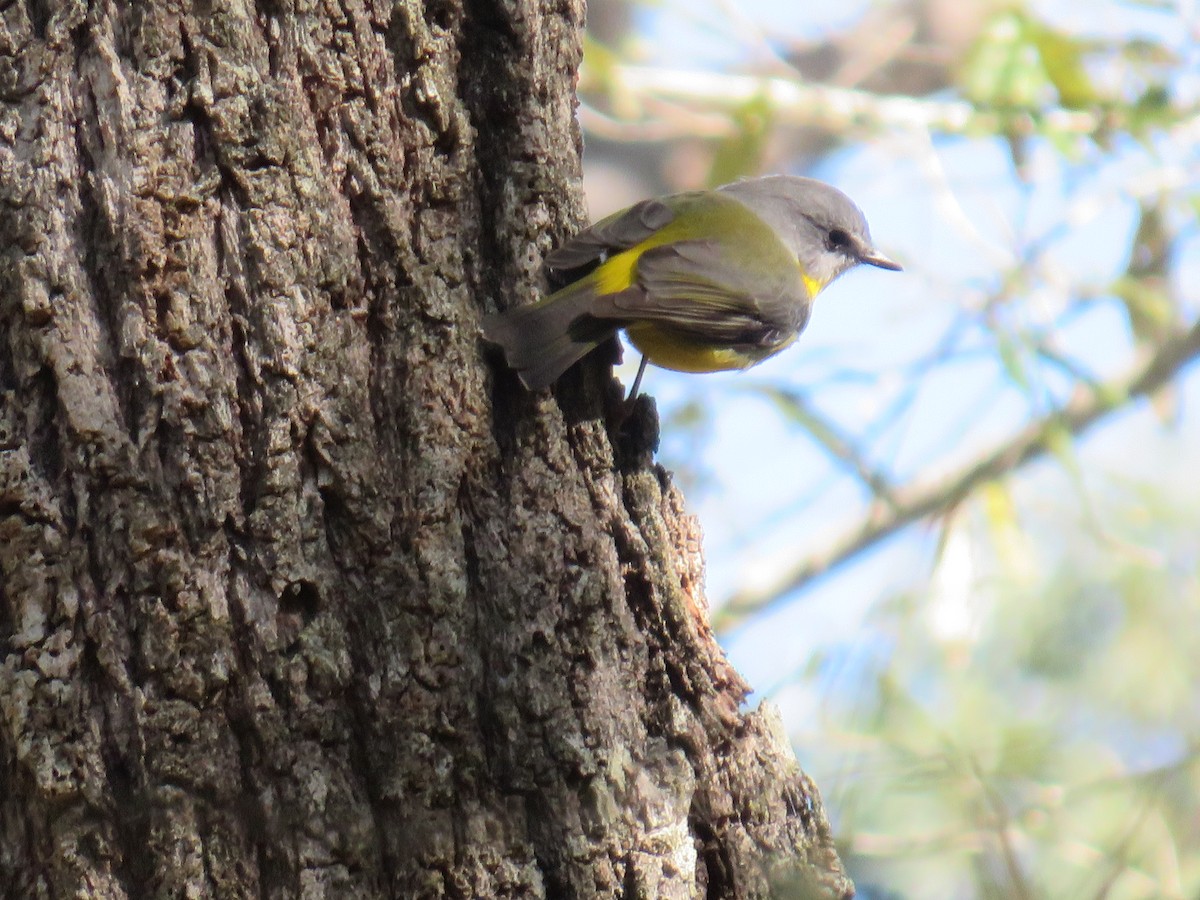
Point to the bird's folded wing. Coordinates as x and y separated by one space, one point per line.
689 288
610 236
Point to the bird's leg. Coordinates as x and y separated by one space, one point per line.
636 424
637 382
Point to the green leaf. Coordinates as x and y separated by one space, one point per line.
1061 443
1062 62
600 66
1150 310
1012 357
741 153
1004 68
1020 62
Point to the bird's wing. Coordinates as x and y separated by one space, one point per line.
693 288
609 236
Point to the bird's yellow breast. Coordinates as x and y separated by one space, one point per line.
669 350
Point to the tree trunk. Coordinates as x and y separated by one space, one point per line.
299 594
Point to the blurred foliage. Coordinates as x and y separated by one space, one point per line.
1035 733
1019 62
1025 723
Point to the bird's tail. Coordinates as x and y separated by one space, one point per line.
542 341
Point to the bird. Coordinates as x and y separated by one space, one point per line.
700 281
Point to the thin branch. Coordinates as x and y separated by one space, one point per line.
912 503
1018 883
836 108
838 445
665 125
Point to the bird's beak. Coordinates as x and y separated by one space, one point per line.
873 257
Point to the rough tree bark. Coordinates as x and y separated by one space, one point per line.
298 595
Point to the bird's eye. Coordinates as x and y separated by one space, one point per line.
838 239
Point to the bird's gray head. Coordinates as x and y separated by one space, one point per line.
819 223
